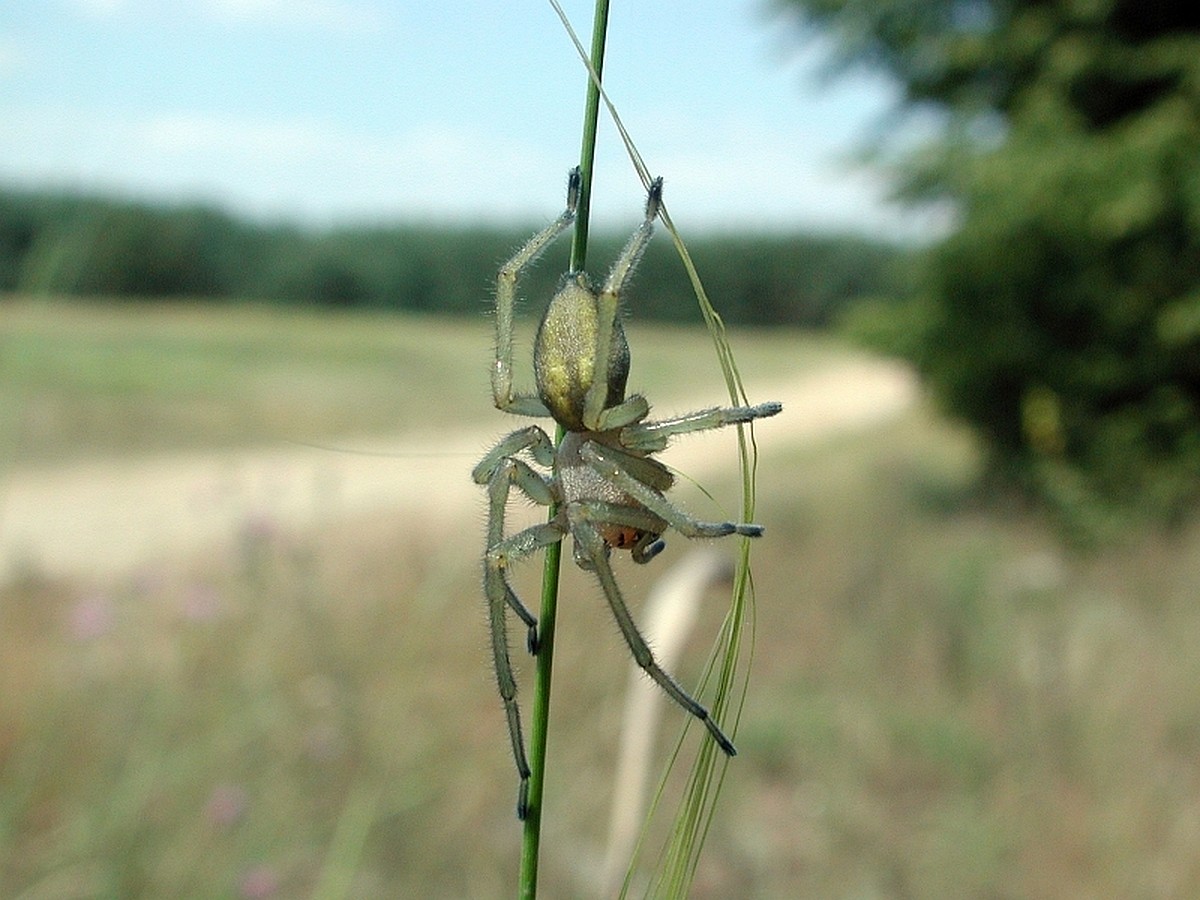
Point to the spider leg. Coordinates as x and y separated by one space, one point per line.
596 551
533 439
595 416
605 463
509 473
645 469
506 289
500 557
599 512
653 436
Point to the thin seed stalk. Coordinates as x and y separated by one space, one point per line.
540 721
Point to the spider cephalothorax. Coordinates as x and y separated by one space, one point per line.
608 490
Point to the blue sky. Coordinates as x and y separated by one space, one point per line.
460 110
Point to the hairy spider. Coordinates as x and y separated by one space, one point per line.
608 490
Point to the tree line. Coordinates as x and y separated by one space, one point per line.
55 243
1061 318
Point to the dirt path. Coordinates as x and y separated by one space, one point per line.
103 518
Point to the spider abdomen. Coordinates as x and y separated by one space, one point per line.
621 537
564 354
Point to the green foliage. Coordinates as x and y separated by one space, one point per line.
1062 317
93 246
771 279
78 245
1062 329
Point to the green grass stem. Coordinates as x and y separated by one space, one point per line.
677 865
540 721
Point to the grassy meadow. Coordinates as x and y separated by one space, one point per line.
946 699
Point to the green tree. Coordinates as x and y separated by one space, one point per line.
1062 315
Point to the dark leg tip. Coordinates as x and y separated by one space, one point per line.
723 742
574 185
523 800
648 553
768 409
654 198
532 641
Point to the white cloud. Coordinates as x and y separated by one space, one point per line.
285 166
338 15
190 135
99 9
310 169
13 56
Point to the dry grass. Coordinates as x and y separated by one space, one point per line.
81 380
946 701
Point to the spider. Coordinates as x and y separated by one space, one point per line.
603 481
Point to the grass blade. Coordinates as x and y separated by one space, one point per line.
540 721
677 865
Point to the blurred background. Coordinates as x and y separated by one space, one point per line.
247 251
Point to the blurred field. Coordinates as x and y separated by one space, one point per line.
94 379
944 702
